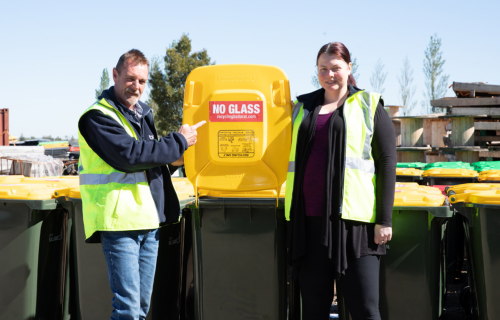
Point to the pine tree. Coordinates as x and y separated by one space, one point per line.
104 83
435 79
167 86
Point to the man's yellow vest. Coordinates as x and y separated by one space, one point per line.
113 200
359 179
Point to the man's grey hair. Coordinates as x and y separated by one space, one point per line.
135 55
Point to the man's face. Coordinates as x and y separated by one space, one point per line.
130 82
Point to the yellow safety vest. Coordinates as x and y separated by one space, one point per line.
359 179
113 200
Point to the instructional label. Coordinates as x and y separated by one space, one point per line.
236 143
235 111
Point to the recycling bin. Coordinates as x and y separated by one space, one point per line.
412 272
415 165
449 176
239 258
489 176
33 249
481 211
448 165
481 166
409 175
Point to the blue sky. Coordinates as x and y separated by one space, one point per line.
53 52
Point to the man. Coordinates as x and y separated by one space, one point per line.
125 183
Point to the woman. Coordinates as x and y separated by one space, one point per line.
342 174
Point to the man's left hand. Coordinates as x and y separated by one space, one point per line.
382 234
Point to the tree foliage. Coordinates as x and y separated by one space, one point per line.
435 79
104 83
167 85
378 77
406 88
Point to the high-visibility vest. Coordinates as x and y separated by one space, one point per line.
113 200
359 179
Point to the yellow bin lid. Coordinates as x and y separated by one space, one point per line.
74 193
406 184
418 200
11 179
486 197
450 173
245 144
489 175
408 172
26 192
418 189
248 194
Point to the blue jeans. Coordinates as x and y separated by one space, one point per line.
131 261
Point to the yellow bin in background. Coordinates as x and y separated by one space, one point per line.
245 144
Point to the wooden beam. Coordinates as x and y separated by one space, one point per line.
478 87
487 125
486 138
475 111
466 102
487 154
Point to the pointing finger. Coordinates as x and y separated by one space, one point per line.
199 124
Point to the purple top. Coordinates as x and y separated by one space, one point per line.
314 177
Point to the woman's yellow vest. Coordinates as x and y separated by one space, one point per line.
113 200
359 179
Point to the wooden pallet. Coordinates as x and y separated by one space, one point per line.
475 89
466 102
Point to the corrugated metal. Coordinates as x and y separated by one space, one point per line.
4 127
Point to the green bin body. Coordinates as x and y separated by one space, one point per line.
448 181
91 294
239 259
34 260
412 274
482 225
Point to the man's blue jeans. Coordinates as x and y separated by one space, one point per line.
131 261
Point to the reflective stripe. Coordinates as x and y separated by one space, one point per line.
367 114
366 166
296 111
117 177
291 166
80 168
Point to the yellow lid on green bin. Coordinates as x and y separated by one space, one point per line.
406 184
404 199
469 187
26 192
450 173
74 193
489 175
418 189
486 197
232 194
245 144
408 172
61 187
11 179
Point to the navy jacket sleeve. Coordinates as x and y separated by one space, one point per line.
109 140
384 154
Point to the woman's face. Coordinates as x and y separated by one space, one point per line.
333 72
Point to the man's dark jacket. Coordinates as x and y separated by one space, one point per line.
109 140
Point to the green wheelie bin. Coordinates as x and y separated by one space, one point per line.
239 257
412 273
482 224
33 249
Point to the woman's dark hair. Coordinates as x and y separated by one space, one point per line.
337 49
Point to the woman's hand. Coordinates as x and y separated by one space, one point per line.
382 234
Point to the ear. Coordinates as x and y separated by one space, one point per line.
350 67
115 75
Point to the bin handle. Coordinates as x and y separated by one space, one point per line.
282 92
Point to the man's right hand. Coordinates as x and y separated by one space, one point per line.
189 132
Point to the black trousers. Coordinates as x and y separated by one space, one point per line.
359 286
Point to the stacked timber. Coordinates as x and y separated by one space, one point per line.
475 116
